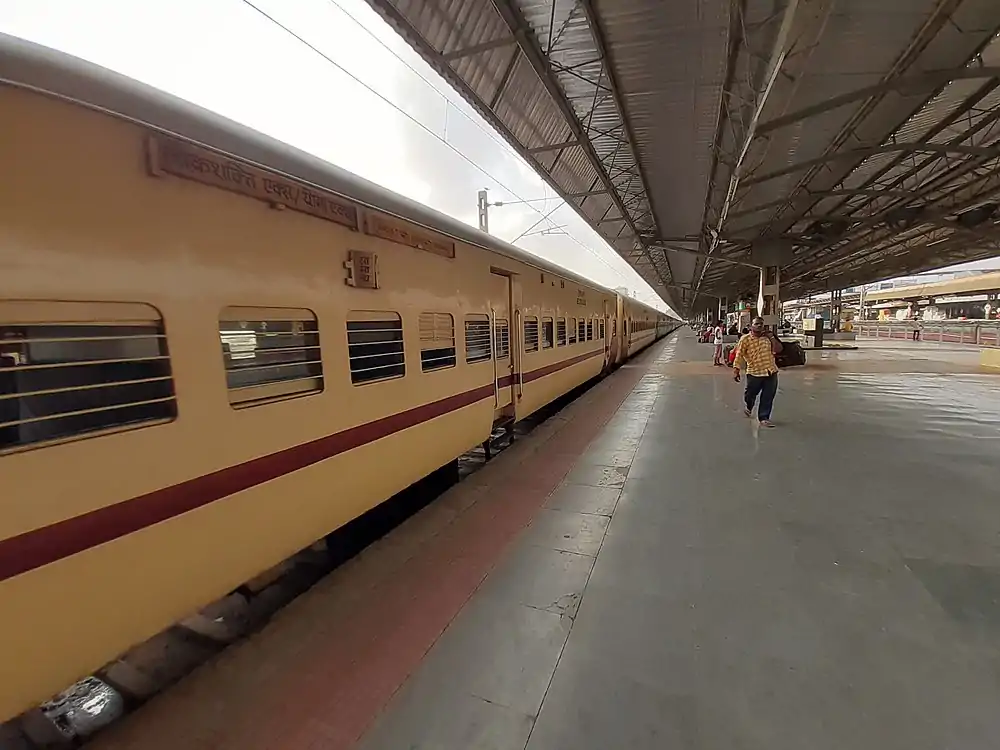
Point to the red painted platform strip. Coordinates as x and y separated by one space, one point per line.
322 670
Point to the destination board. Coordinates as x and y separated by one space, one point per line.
190 162
404 233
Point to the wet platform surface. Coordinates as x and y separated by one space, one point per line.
654 570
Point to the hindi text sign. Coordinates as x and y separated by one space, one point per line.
403 233
185 160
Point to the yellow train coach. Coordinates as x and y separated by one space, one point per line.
215 350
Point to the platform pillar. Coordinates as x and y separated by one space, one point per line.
723 308
836 307
767 297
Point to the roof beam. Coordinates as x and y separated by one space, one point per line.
904 85
899 171
701 254
879 116
860 154
553 147
901 194
529 47
505 79
802 25
945 235
779 51
926 256
959 198
598 35
475 49
691 291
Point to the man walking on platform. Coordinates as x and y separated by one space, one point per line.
756 350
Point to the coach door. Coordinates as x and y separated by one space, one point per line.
606 327
618 332
615 336
504 343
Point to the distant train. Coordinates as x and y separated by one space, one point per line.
215 350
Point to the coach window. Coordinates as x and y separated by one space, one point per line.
477 338
561 332
571 330
375 346
590 330
547 337
437 341
270 353
531 334
582 330
79 369
502 334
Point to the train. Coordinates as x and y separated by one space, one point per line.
216 349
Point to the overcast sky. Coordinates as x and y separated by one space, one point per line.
383 113
228 57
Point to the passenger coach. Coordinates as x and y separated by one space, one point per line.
215 350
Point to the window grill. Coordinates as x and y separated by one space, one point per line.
600 334
582 330
437 341
477 338
561 332
571 328
66 379
503 339
269 354
547 338
375 346
531 334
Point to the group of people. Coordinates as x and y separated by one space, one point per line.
755 351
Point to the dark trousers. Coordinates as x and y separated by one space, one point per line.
764 387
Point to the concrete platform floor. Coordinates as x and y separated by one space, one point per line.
699 583
653 570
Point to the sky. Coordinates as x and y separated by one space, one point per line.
348 90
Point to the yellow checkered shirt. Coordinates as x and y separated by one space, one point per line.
757 354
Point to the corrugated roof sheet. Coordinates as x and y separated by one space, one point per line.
662 94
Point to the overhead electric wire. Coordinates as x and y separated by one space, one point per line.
356 79
443 94
544 218
489 132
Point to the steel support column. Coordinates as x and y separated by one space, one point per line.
768 297
836 305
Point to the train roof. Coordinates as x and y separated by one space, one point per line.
31 66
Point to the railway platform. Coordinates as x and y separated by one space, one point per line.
650 569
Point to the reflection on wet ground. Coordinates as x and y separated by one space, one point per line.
869 357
